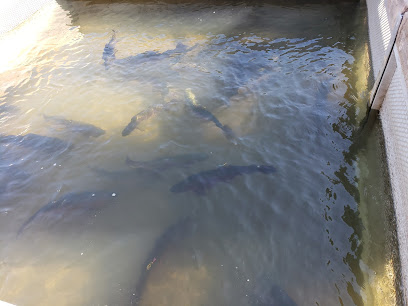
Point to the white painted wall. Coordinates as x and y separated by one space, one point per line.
394 116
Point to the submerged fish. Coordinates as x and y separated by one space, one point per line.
164 163
150 56
205 114
135 120
85 129
71 206
169 240
143 115
109 51
36 142
205 180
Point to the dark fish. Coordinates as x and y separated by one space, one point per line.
205 114
71 206
150 56
171 238
109 51
36 142
85 129
203 181
143 115
164 163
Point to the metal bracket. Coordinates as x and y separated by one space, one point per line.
387 71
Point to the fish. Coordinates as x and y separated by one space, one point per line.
82 128
151 56
171 238
164 163
109 54
141 116
71 206
201 182
36 142
136 119
201 112
109 51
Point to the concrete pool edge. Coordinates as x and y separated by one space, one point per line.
394 111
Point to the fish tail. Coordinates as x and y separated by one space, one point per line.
109 51
113 36
180 45
25 225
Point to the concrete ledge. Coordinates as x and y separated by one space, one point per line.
13 13
383 15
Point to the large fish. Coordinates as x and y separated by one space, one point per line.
205 114
201 182
109 57
36 142
151 56
70 207
109 51
82 128
164 163
171 239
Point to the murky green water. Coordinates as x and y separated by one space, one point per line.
291 83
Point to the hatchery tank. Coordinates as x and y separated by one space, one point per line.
193 153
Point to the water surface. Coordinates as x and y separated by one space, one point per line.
286 79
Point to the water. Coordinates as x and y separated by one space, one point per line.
290 81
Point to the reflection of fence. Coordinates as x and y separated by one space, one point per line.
13 13
391 98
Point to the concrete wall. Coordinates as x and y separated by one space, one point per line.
383 16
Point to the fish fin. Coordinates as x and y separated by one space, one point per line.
180 45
